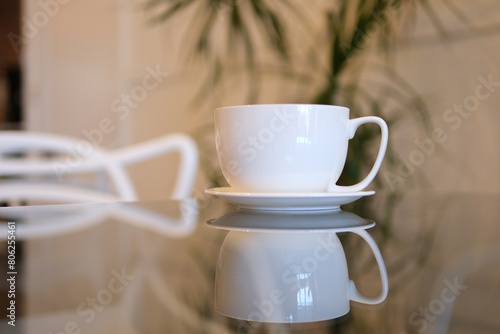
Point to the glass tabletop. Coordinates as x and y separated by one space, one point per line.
178 266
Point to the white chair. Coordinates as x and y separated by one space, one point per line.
41 167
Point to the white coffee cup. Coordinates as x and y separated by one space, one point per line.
289 147
285 277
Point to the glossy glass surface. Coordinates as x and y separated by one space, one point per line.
149 267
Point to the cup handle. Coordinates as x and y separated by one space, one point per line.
353 126
354 295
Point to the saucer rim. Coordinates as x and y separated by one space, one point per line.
266 202
216 191
336 229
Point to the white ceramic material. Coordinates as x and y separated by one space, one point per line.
287 201
305 221
288 276
289 147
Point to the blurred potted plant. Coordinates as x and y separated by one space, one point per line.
233 35
319 52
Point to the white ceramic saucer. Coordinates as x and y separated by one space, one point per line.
291 221
287 201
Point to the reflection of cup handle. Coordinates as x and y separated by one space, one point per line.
354 295
353 126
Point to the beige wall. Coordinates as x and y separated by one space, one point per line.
91 61
460 80
89 53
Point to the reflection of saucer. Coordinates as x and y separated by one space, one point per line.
333 221
287 201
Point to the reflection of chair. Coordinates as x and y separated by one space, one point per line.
76 251
37 222
42 167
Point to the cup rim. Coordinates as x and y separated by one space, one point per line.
283 105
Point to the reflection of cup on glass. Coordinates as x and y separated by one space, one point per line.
289 147
288 275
